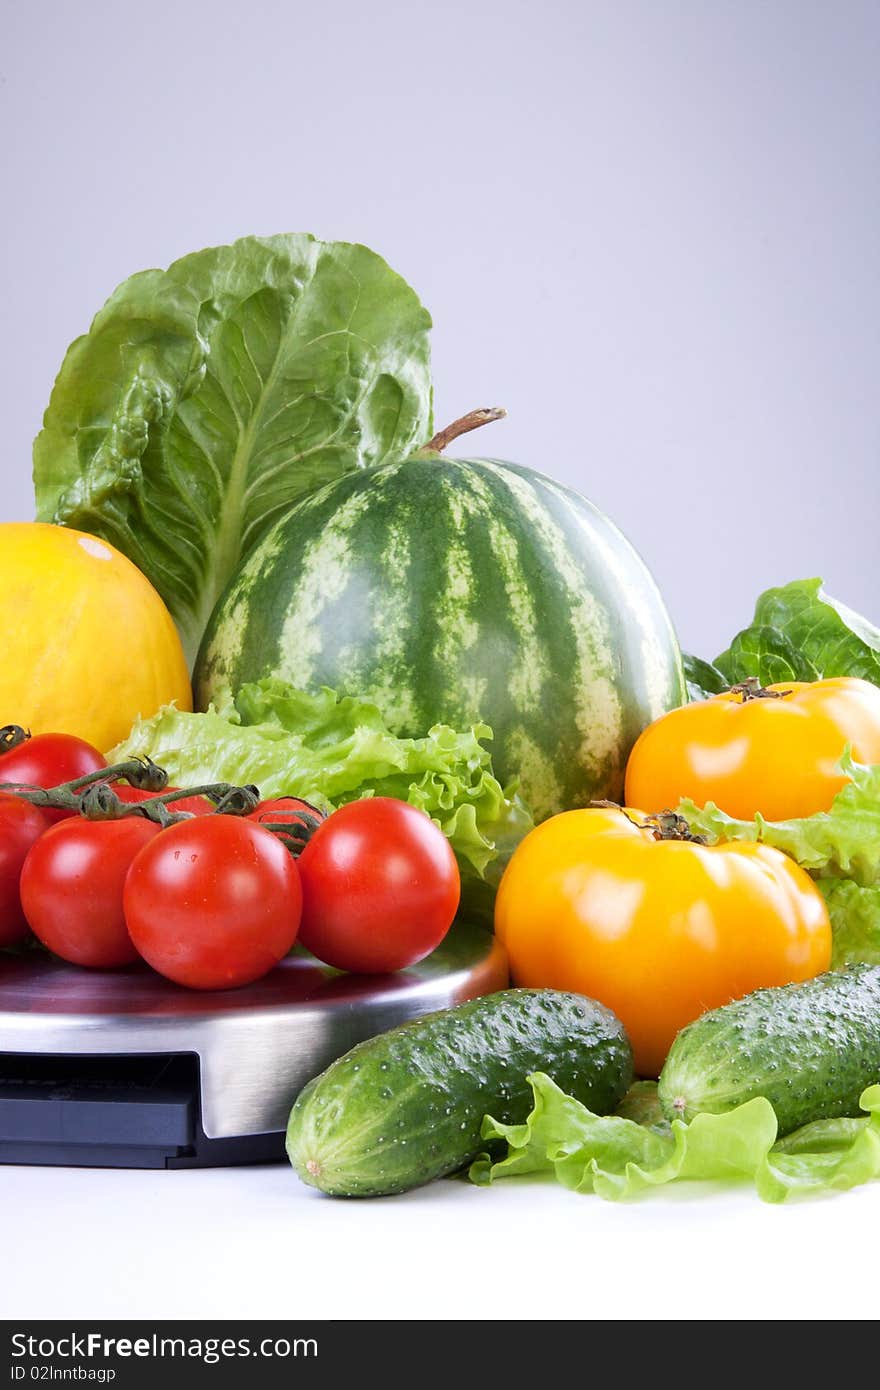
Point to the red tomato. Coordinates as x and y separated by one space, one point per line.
380 886
214 902
195 805
47 760
285 810
20 826
71 888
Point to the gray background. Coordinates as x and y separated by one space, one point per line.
648 229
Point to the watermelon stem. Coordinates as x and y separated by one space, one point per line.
472 421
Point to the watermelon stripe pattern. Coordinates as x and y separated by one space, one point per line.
458 590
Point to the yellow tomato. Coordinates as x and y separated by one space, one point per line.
88 645
658 930
776 755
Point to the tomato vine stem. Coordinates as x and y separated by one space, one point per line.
94 797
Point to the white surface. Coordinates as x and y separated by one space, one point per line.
254 1243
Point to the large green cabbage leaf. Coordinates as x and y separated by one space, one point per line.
330 751
798 633
617 1157
701 678
208 397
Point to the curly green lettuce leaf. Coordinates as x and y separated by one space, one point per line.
843 842
855 921
206 398
799 632
330 751
617 1158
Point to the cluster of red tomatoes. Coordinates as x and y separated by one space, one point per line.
215 900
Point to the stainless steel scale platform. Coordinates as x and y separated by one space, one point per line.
124 1069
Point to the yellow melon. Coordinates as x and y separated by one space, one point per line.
86 643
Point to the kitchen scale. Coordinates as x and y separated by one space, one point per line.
123 1069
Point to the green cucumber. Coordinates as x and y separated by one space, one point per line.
407 1106
810 1048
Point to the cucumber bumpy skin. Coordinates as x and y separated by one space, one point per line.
810 1048
407 1106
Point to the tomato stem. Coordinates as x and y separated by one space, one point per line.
294 835
664 825
752 689
100 802
12 736
669 825
230 800
142 773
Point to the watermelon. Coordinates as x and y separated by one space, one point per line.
460 591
